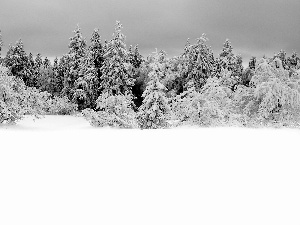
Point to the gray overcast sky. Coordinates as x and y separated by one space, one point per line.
254 27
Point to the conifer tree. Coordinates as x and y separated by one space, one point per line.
58 86
198 62
36 75
16 60
87 85
135 58
117 76
31 60
227 60
31 66
77 50
154 111
38 60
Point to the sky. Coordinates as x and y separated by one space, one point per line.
255 28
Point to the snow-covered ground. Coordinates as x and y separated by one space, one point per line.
60 170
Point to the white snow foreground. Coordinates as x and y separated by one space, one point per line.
60 170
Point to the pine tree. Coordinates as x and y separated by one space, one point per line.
16 60
227 60
87 84
38 60
117 76
77 51
58 78
31 66
197 62
135 58
154 111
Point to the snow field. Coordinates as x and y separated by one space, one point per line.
60 170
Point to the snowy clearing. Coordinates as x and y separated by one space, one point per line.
60 170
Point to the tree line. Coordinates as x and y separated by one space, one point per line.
112 84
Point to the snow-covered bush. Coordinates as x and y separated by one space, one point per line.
154 111
114 111
211 106
60 106
272 97
17 100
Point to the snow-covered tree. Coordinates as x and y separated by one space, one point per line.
154 111
227 60
16 99
117 76
88 84
135 58
38 60
16 60
272 97
77 50
211 106
197 62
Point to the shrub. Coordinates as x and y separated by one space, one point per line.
17 100
61 106
211 106
114 111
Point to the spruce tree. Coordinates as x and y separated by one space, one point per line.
197 62
117 76
87 84
136 60
16 60
31 66
227 60
38 60
77 51
58 78
154 111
